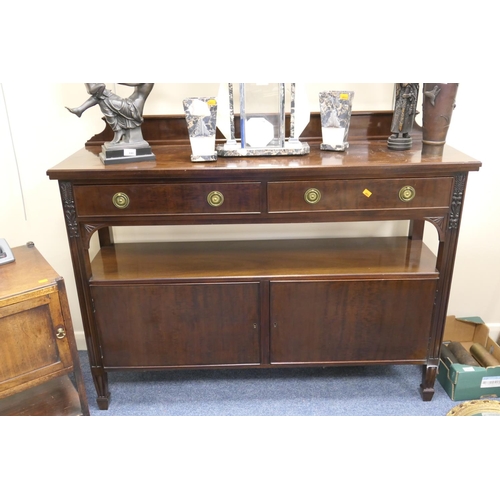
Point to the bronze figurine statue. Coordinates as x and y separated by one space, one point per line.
124 116
405 110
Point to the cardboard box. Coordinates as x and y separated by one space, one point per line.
465 382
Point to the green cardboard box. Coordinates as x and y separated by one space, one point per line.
465 382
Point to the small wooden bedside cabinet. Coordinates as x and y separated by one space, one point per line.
38 351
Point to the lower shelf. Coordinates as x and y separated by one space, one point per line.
58 397
355 257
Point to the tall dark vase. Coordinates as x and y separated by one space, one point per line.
438 106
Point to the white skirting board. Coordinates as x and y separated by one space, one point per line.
493 327
80 341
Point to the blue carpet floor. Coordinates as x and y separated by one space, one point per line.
339 391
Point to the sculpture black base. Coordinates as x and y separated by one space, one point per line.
126 155
399 143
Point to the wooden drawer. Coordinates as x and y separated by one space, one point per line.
161 199
364 194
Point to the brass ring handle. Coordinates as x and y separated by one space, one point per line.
407 193
121 200
215 198
312 196
61 333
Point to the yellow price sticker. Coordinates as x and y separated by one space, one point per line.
367 193
344 96
43 281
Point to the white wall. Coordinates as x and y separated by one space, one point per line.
35 138
36 132
476 283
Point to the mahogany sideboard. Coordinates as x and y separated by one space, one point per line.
270 303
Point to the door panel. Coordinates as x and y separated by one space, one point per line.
31 349
335 321
178 324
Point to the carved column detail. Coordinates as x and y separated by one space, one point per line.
90 229
69 209
456 201
439 224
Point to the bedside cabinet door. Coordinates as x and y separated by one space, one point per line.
34 346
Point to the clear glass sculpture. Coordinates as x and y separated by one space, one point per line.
262 120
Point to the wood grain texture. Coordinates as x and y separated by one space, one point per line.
56 398
366 194
362 160
29 272
172 129
157 199
356 322
380 258
178 325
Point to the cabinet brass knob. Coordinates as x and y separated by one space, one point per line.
312 196
121 200
407 193
61 333
215 198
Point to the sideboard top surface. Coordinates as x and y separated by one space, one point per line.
370 158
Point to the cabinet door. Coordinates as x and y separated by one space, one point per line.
355 321
178 324
30 351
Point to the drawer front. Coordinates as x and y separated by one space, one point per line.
365 194
162 199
